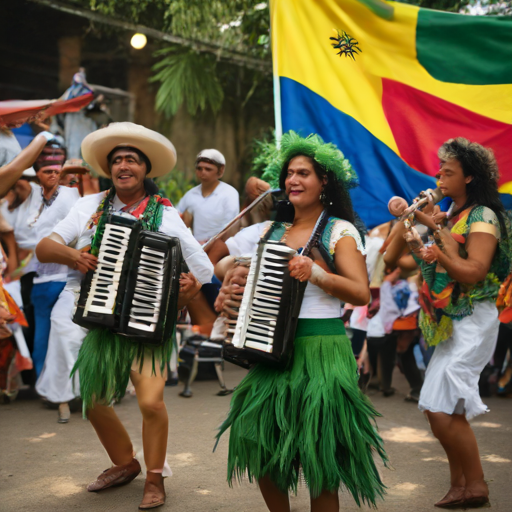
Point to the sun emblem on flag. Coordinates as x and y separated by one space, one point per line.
346 44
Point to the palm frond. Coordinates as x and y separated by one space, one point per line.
186 77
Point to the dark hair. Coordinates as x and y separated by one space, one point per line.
151 187
480 163
337 199
141 155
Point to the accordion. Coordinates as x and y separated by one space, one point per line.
270 307
134 289
269 311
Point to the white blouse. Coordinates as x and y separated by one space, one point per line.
316 303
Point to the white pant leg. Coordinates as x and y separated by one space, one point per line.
64 342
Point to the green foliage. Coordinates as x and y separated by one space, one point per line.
235 24
262 151
175 185
185 75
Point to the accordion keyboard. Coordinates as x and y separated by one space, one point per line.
259 310
105 280
147 298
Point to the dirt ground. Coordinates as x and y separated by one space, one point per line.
45 466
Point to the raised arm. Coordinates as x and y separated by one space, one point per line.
11 172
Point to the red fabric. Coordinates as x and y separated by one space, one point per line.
421 123
16 113
142 206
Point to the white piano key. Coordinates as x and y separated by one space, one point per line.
259 318
150 264
147 257
142 327
156 252
264 347
151 271
142 297
266 296
144 318
254 328
258 302
267 312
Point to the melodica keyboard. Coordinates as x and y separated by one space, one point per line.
134 289
269 309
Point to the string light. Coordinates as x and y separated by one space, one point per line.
138 41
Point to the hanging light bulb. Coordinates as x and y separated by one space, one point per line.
138 41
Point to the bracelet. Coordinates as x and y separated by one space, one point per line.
317 274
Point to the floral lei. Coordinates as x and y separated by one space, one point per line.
149 212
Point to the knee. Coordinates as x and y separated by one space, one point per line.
152 408
440 429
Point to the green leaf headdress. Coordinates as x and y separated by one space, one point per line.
292 145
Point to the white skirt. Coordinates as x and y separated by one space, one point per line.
451 381
64 342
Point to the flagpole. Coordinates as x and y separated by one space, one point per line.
275 76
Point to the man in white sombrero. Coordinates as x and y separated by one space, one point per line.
128 154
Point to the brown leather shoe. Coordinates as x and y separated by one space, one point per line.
154 491
454 498
115 476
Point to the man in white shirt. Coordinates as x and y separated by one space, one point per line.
127 153
213 203
50 278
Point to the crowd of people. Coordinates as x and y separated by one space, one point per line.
417 293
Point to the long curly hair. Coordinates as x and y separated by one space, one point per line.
337 199
480 163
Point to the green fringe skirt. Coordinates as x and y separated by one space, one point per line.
104 363
310 420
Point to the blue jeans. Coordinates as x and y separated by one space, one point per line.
43 297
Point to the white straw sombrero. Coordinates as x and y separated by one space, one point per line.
159 149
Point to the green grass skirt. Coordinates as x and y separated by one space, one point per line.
309 420
104 363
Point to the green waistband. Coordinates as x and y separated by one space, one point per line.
320 327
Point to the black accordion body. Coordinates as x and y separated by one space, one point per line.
134 289
269 311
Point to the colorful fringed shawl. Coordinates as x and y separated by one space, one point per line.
442 298
105 358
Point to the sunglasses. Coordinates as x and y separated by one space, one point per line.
50 171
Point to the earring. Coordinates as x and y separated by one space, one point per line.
323 197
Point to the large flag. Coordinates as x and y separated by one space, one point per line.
412 78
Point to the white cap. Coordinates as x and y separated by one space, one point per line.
29 173
213 155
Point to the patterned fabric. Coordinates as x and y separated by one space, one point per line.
48 202
334 231
442 298
149 211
